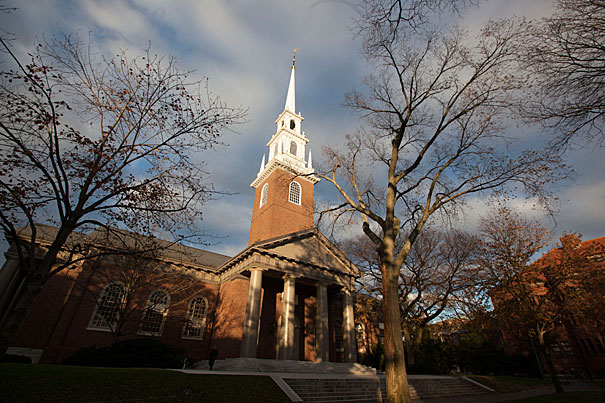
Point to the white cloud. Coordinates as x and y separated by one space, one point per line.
245 48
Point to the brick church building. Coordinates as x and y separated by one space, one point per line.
287 295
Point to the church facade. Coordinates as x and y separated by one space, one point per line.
287 295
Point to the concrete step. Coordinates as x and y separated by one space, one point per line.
372 389
337 390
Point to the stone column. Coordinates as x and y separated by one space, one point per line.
286 342
322 339
251 321
348 322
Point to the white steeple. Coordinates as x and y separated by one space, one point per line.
287 145
291 97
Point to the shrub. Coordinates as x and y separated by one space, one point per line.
374 357
15 359
433 357
139 353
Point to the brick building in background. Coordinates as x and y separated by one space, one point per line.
577 342
288 295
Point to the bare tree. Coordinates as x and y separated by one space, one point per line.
509 242
438 268
89 141
434 110
565 54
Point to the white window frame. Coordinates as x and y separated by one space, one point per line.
263 195
164 314
291 196
108 326
200 322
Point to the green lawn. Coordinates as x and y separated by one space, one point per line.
507 384
59 383
576 397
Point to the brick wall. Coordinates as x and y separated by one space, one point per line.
58 319
279 216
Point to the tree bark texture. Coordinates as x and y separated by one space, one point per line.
549 365
396 376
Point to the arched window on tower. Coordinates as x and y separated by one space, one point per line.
155 313
196 319
292 124
108 309
294 196
293 147
263 195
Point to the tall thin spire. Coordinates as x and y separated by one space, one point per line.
291 98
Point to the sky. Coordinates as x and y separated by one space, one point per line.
244 49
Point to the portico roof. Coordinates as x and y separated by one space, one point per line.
306 253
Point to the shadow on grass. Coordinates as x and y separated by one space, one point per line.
509 384
61 383
576 397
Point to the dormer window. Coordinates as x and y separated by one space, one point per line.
294 196
293 148
292 124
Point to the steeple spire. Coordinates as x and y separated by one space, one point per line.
291 98
284 184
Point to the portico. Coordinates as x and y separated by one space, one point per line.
298 284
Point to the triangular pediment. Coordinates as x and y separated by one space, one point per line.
312 248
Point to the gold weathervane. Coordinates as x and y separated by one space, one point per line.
294 56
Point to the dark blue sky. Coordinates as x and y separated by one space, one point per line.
244 48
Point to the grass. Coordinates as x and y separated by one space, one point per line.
576 397
59 383
508 384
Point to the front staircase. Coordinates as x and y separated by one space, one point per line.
373 389
305 381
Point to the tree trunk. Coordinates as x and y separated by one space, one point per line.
396 376
569 328
549 365
412 345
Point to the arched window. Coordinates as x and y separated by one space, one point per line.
293 147
108 309
292 124
196 319
263 194
155 313
294 196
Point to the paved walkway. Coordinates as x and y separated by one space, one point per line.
502 397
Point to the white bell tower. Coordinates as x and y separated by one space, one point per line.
287 146
283 201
